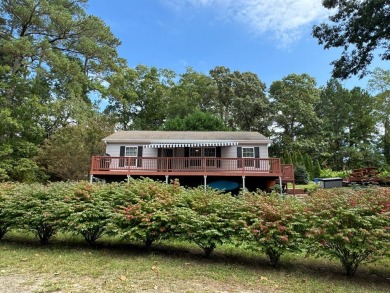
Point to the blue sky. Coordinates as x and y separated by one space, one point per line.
269 38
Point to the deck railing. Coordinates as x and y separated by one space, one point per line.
288 173
185 165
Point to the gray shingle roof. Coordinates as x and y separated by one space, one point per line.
179 136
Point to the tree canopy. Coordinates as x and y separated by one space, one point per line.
57 62
54 58
197 121
359 27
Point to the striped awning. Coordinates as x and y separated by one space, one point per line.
191 145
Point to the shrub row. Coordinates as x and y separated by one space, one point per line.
352 226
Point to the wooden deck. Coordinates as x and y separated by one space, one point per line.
365 176
185 166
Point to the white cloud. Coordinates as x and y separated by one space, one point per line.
284 20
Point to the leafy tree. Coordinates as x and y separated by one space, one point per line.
66 155
241 100
57 38
287 158
334 109
362 25
19 132
348 127
139 98
153 95
222 77
250 105
197 121
360 150
295 122
193 92
53 58
380 83
123 98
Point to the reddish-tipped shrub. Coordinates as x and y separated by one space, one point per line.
351 226
274 225
207 218
148 217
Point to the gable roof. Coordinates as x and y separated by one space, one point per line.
146 137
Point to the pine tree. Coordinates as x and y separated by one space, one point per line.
299 159
309 165
316 169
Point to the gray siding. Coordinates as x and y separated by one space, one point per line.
226 152
114 149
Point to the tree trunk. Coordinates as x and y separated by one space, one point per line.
386 140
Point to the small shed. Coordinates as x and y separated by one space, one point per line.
331 182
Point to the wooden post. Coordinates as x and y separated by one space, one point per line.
166 179
205 182
243 183
280 184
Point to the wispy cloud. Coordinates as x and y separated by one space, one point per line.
284 20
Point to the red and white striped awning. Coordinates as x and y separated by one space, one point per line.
191 145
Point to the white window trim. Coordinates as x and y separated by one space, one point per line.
247 160
133 162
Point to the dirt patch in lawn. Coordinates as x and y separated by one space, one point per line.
29 283
20 283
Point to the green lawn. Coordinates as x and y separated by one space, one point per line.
303 186
71 266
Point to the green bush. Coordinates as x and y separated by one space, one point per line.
348 224
274 225
300 174
7 211
311 188
329 173
149 215
90 211
207 218
42 208
351 226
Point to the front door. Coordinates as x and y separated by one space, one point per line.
164 164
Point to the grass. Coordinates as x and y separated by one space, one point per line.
303 186
112 266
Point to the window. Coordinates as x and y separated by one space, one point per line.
195 152
210 152
248 153
131 152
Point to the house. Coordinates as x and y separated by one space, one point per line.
194 157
